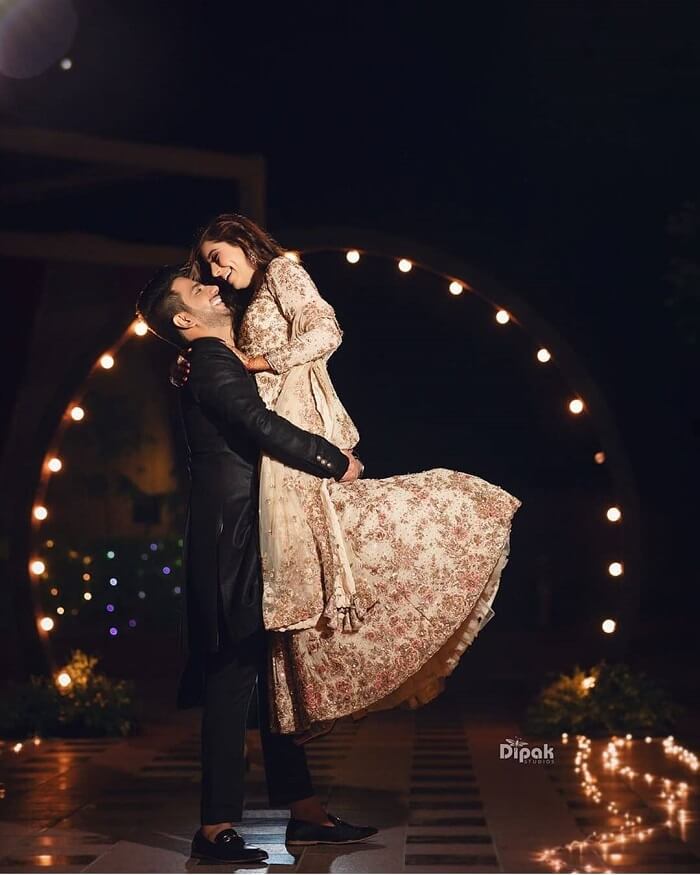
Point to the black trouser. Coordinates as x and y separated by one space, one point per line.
229 682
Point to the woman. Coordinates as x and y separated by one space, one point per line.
373 590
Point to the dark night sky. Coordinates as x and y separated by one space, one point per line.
547 142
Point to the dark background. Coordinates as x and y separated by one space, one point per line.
554 145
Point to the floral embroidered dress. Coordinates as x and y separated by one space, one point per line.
371 590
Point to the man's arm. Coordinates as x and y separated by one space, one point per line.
219 382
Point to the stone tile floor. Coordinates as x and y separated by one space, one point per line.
431 780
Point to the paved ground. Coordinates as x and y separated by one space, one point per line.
432 780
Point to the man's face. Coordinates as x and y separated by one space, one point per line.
204 305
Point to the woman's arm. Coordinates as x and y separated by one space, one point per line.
298 299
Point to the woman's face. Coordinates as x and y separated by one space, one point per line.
228 262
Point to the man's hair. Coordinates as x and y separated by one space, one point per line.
157 303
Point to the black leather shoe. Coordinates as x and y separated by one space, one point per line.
228 847
300 832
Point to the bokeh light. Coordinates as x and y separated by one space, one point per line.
352 256
503 317
405 265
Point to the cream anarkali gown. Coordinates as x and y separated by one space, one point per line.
372 590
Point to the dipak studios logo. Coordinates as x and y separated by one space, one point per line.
520 751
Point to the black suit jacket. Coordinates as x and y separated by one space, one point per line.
227 426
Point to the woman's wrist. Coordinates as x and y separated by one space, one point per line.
258 363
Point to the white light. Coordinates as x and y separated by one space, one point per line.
353 256
588 683
576 406
292 256
17 747
615 569
37 567
40 512
46 624
64 679
599 457
77 413
66 64
140 328
503 317
456 288
609 626
107 361
60 610
543 355
54 464
87 596
405 265
614 514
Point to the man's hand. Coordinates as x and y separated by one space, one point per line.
180 370
354 471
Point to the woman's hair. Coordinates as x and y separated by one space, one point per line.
259 248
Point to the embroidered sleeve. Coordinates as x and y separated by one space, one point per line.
299 300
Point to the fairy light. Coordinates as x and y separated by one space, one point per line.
60 610
576 406
544 355
54 464
77 413
614 514
107 361
40 512
456 288
64 679
503 317
140 328
17 747
608 626
405 265
87 596
292 256
46 624
352 256
615 569
599 458
37 567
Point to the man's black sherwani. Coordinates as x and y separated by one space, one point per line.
227 426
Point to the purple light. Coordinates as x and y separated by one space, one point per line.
154 547
166 570
110 609
113 631
132 623
177 590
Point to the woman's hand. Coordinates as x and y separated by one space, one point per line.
254 364
180 370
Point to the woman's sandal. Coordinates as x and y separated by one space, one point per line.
315 731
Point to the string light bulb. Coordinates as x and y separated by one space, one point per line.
456 288
36 566
352 256
405 265
54 464
140 328
576 406
64 679
40 512
46 624
615 569
599 457
107 361
503 317
614 514
77 413
544 355
608 626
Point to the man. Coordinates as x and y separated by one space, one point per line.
227 425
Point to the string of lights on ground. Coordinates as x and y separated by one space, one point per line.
584 855
40 564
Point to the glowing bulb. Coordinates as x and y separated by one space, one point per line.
40 512
140 328
292 256
456 288
77 413
405 265
615 569
107 361
87 596
648 739
46 623
599 458
64 679
588 683
543 355
60 611
576 406
66 64
37 567
54 590
353 256
614 514
609 626
503 317
54 464
17 747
